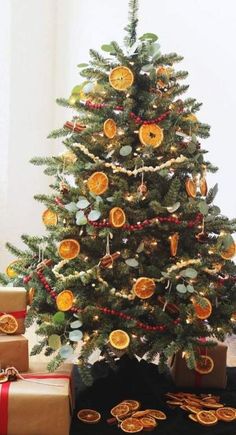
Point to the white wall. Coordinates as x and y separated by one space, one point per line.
47 39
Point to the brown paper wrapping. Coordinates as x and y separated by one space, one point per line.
13 299
14 352
184 377
38 408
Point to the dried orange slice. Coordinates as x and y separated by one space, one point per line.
174 242
98 183
120 410
204 365
109 128
69 249
193 417
140 414
8 324
229 252
119 340
89 416
212 406
117 217
49 217
144 287
226 414
191 187
64 300
11 273
155 413
203 186
121 78
207 418
131 425
30 296
148 423
203 312
163 71
133 404
151 134
193 409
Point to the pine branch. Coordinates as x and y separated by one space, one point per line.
172 194
37 348
131 28
55 363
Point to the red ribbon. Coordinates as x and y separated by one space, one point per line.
16 314
4 396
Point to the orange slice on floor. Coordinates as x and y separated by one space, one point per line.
204 365
109 128
119 339
49 217
121 78
98 183
191 187
89 416
206 418
193 409
226 414
144 287
140 414
212 406
117 217
120 410
203 186
64 300
229 252
133 404
155 413
203 312
8 324
131 425
11 273
151 134
193 417
69 249
174 242
30 296
148 423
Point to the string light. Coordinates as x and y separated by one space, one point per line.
96 317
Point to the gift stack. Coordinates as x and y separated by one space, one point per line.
32 401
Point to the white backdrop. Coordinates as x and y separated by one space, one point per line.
40 45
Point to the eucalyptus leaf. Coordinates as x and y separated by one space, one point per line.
132 262
110 198
54 341
66 351
72 207
190 288
99 199
173 208
227 241
75 335
215 210
154 49
166 275
189 273
181 288
140 248
125 150
82 65
76 324
59 317
203 207
191 147
94 215
81 218
82 204
108 48
149 36
148 67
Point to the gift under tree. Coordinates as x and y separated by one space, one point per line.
137 257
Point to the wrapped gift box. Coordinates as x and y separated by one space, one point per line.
184 377
42 404
13 301
14 352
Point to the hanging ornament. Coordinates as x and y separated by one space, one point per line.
119 339
174 241
142 188
191 187
110 128
204 365
203 310
11 273
117 217
63 187
64 300
69 249
144 287
121 78
107 261
30 296
98 183
49 217
202 237
74 126
151 135
167 306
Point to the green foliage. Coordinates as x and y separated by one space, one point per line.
172 194
131 27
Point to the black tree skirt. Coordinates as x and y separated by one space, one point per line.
141 381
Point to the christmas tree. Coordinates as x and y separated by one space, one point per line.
137 258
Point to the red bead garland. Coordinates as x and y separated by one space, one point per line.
105 310
140 226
